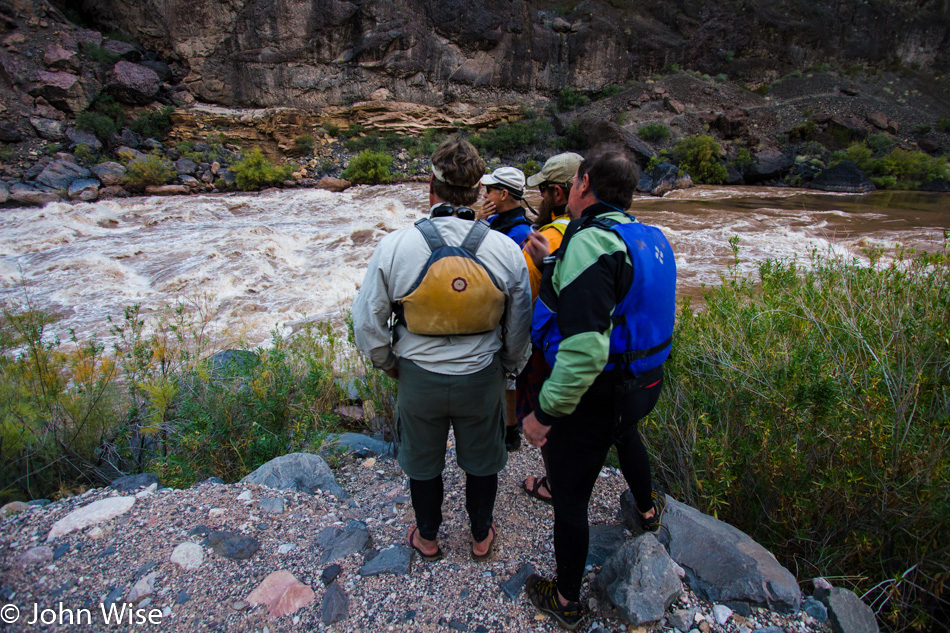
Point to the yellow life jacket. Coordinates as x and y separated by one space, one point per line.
559 225
454 294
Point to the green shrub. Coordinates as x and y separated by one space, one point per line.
332 129
155 125
570 99
573 139
369 168
610 91
802 131
255 171
305 144
700 157
881 143
673 67
898 169
98 54
531 167
152 169
722 78
511 138
943 125
85 153
99 124
354 130
6 152
743 159
762 90
654 132
810 408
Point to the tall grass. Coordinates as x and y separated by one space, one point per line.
811 408
77 415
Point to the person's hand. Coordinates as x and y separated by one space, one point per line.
535 432
487 210
537 247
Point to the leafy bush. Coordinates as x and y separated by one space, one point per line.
802 131
152 169
99 124
569 99
332 129
943 125
98 54
531 167
6 152
514 137
255 171
305 144
155 125
85 154
743 159
369 168
899 169
811 409
700 157
610 91
654 132
881 143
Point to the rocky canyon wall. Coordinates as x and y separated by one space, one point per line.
314 53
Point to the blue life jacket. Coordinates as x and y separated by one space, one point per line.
642 333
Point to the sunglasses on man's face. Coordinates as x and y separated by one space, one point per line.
546 187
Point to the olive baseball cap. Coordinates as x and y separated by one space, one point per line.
559 169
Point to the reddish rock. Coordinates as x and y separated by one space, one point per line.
333 184
674 106
61 89
58 58
282 593
878 120
113 191
167 190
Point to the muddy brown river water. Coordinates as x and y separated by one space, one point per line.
271 260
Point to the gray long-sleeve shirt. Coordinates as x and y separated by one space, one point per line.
396 264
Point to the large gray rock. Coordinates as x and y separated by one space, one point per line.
336 605
77 136
24 193
663 179
360 444
60 173
50 129
91 514
395 560
338 544
85 189
723 564
134 83
846 612
302 472
185 166
125 50
845 177
62 90
4 192
769 163
132 483
109 173
603 541
233 546
640 580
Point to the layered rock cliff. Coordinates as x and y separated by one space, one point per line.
313 53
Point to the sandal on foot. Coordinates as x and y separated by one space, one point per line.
491 547
659 506
535 490
543 594
429 558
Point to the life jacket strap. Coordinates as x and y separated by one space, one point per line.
629 357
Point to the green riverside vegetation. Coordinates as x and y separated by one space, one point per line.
809 406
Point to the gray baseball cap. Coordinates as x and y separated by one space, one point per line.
511 178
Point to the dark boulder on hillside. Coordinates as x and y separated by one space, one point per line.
59 173
769 163
845 177
134 84
663 179
598 131
61 89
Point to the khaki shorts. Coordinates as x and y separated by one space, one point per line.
473 405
